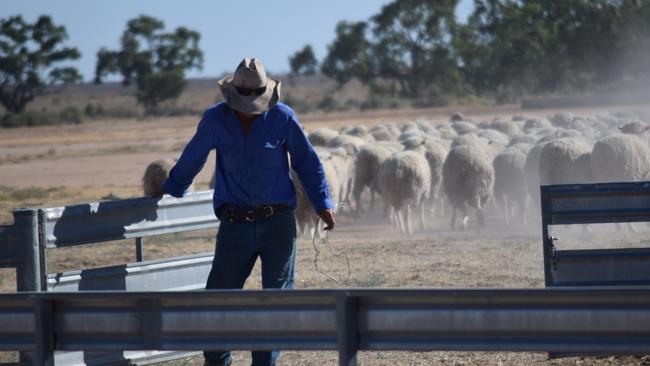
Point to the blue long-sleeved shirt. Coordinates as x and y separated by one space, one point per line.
252 170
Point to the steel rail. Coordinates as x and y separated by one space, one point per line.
577 320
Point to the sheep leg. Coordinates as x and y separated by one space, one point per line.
506 214
479 213
453 217
400 220
465 217
422 210
372 200
409 230
357 199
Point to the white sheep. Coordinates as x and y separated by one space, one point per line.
321 136
306 217
463 127
404 183
155 174
435 152
509 128
509 183
367 164
620 158
564 161
468 178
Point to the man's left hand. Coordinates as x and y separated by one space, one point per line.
327 216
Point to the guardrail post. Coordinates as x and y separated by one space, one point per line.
29 272
44 317
346 327
139 257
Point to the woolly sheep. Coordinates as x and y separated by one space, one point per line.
564 161
456 117
351 144
634 127
446 132
404 183
563 119
343 163
306 217
509 183
520 138
321 136
463 127
367 164
468 178
155 174
620 158
382 134
507 127
361 132
536 124
494 136
435 153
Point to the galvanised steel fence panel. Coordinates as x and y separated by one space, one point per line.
595 204
9 246
123 219
171 274
568 320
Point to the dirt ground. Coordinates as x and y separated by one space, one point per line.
50 166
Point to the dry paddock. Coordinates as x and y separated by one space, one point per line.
380 257
49 166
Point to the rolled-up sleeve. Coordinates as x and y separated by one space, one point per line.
192 159
305 162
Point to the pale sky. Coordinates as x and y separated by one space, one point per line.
230 30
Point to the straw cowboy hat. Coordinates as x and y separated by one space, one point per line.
249 90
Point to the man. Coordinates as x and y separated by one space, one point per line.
253 196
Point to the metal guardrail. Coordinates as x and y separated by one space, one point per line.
124 219
172 274
8 246
595 204
25 244
594 320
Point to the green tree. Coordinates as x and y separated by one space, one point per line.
412 45
349 56
405 49
28 55
512 48
155 61
303 62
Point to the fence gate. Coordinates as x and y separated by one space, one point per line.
595 204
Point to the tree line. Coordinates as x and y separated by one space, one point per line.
410 49
33 59
417 49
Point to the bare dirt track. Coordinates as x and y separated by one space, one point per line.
81 163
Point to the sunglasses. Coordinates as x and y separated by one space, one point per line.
248 91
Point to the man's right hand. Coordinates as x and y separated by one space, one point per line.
327 216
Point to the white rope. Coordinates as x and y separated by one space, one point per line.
335 254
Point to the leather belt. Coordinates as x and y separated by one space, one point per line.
250 215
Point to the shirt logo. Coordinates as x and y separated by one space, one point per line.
268 145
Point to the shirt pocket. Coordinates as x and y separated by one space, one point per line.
272 154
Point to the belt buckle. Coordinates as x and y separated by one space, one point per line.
250 216
271 211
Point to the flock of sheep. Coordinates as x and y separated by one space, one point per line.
420 167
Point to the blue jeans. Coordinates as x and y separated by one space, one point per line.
238 246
